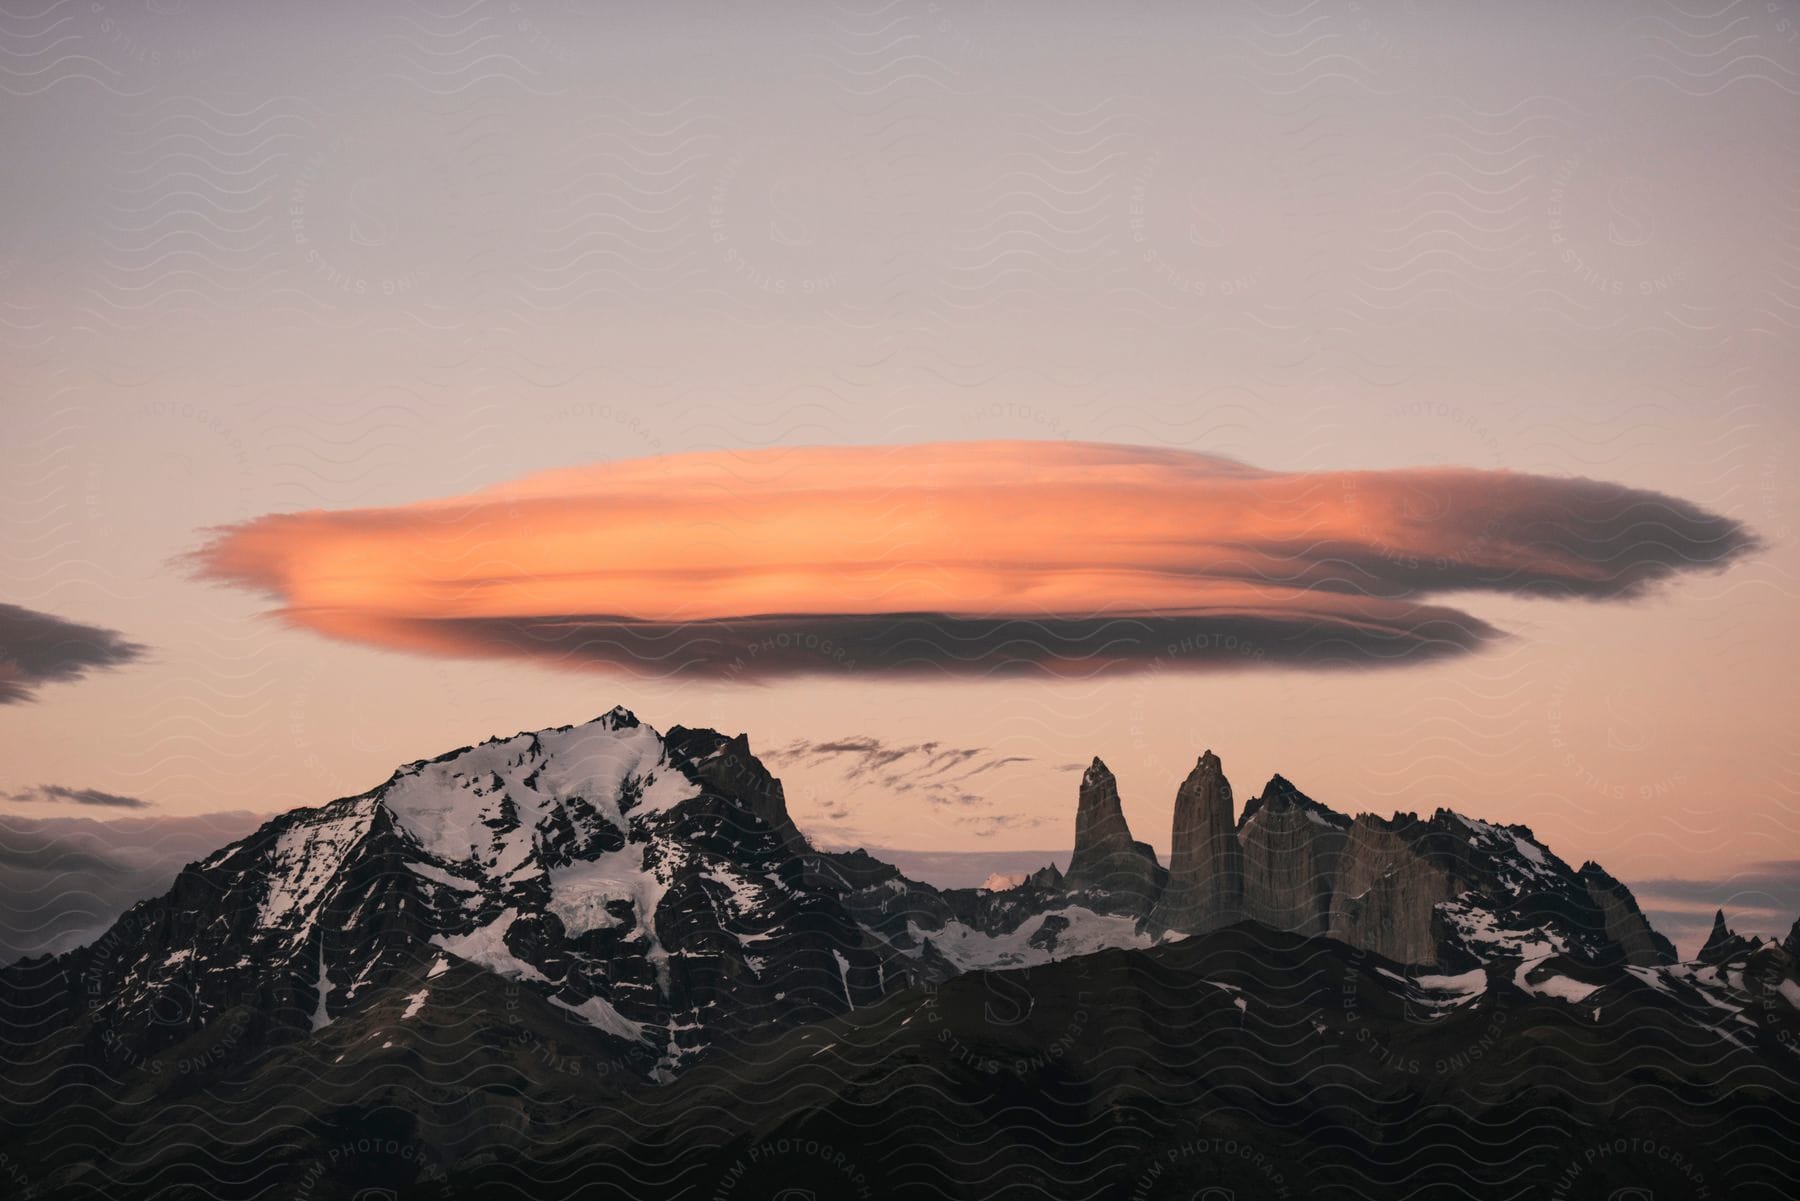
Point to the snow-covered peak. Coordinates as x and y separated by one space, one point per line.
506 791
1519 860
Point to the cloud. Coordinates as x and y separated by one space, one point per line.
65 878
930 772
1762 899
38 648
931 767
79 796
54 860
1068 559
1772 884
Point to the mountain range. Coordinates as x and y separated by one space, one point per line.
602 960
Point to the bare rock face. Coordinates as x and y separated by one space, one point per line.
1625 923
1291 846
1386 892
1206 862
1725 944
1106 858
727 764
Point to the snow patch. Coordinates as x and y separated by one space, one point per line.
580 892
438 875
1466 984
971 950
489 805
486 945
745 896
1560 987
320 1017
601 1014
844 975
306 858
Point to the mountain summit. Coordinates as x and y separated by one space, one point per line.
655 886
1107 860
651 885
494 942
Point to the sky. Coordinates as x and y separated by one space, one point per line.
1045 312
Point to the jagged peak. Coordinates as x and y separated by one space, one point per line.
1724 943
1207 764
1590 869
618 718
1280 794
1720 938
1096 772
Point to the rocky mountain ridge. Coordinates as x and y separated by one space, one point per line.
509 950
655 887
648 884
1446 890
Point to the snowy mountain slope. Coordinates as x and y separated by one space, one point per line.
543 931
654 886
614 872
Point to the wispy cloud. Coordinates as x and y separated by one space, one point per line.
898 767
931 772
967 558
78 796
40 648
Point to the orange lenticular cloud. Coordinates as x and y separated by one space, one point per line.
975 557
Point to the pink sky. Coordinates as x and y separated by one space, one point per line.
472 371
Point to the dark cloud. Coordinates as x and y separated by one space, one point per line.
1763 899
1772 884
79 796
1468 531
928 645
38 648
